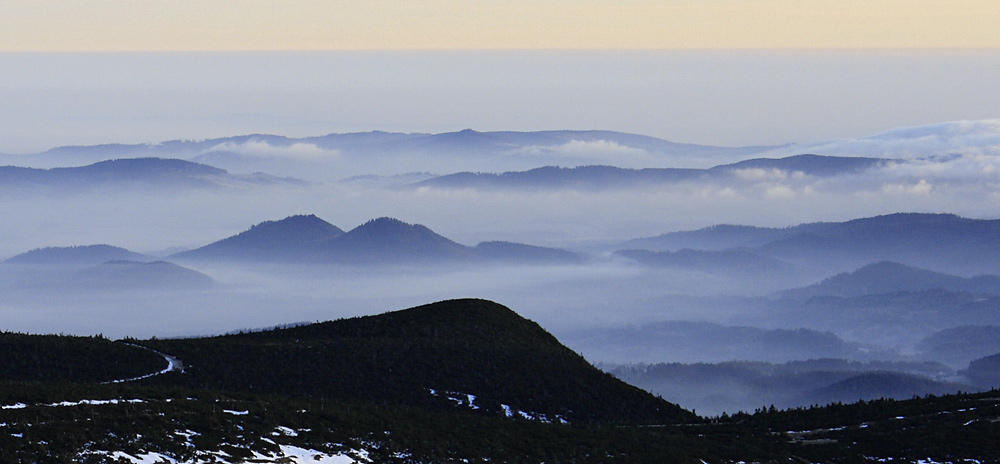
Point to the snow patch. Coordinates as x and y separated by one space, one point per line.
147 458
15 406
296 455
235 413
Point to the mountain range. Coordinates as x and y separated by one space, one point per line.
957 346
890 277
689 341
258 152
935 241
732 386
736 261
597 177
309 239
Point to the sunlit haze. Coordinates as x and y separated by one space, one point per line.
116 25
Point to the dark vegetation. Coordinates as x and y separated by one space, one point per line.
461 346
60 358
270 396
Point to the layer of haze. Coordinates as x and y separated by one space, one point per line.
731 98
47 25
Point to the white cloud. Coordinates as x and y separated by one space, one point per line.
779 191
759 174
262 149
920 188
956 137
590 151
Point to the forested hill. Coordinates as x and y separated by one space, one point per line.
476 353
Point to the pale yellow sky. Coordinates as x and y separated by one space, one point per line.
99 25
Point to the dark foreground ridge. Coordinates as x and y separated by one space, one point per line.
412 357
454 381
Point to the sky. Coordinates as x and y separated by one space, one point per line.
187 25
717 72
714 97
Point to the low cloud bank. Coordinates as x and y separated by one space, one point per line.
262 149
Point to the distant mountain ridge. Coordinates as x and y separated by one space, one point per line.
133 275
87 255
891 277
687 341
727 261
465 141
942 241
604 176
338 156
746 386
148 172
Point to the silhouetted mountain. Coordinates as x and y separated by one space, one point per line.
958 346
131 172
727 261
893 319
499 251
309 239
812 165
134 275
686 341
942 241
463 380
874 385
925 240
87 255
494 360
295 238
747 386
387 240
984 372
890 277
713 238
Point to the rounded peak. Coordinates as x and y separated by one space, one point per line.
296 221
385 221
387 225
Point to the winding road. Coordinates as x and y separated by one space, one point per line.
173 364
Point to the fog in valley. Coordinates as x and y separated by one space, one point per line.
723 278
